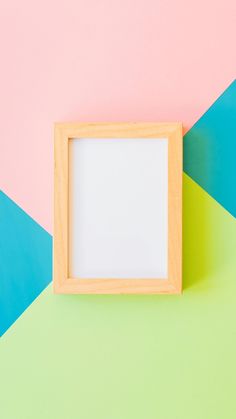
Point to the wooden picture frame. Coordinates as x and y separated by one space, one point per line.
62 283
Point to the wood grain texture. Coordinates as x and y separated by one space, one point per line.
62 283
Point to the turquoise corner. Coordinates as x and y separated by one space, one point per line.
25 261
210 150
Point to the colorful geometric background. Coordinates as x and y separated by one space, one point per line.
112 357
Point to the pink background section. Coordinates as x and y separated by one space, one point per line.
102 60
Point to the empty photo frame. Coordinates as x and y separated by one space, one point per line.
118 208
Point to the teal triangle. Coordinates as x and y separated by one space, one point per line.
210 150
25 261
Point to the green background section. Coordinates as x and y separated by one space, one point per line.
118 357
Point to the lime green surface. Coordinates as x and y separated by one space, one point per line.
134 357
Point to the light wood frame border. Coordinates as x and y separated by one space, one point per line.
66 131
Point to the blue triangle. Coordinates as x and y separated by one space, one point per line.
210 150
25 261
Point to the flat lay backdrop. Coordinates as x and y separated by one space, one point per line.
117 357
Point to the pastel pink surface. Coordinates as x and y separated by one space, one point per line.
125 60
